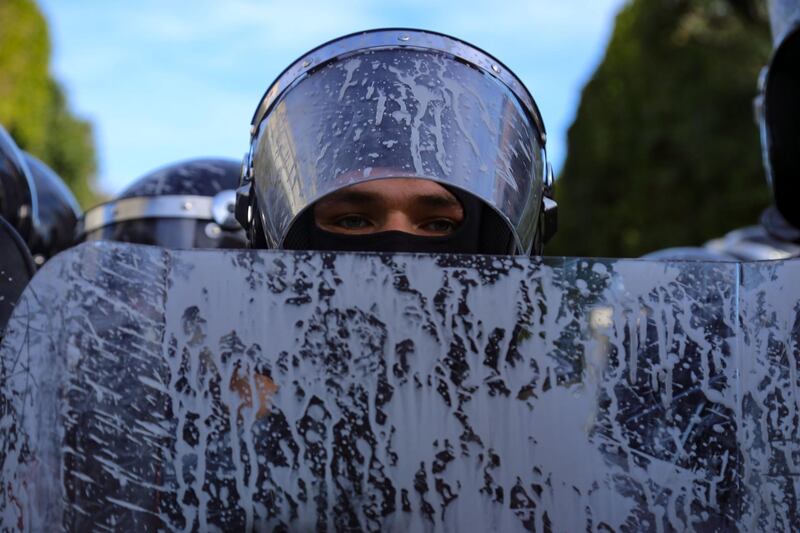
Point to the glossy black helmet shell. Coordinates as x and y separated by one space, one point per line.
184 205
197 177
18 204
59 212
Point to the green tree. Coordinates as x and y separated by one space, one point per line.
664 150
33 107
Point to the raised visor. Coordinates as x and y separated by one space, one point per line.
145 389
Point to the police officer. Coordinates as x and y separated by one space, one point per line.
184 205
398 140
778 113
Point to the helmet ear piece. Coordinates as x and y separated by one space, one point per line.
243 210
249 216
256 237
246 209
547 226
549 209
549 219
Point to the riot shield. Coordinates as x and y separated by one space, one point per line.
147 389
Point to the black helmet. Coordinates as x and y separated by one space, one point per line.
184 205
778 109
35 201
58 212
18 203
397 103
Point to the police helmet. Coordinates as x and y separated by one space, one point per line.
184 205
35 201
399 103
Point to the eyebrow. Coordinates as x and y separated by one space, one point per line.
364 198
438 200
351 197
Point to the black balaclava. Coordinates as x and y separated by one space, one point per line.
481 232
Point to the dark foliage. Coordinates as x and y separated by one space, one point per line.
664 150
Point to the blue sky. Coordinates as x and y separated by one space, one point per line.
164 80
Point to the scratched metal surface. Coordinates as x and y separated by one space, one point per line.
145 389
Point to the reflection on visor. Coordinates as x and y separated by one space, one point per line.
398 113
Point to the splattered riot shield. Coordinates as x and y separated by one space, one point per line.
146 389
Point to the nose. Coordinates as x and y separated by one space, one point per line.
397 221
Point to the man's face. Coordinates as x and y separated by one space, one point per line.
415 206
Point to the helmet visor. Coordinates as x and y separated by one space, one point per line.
398 112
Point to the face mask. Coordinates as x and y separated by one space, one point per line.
393 241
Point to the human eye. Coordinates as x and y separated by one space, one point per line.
352 222
443 226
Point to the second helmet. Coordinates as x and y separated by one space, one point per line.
185 205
